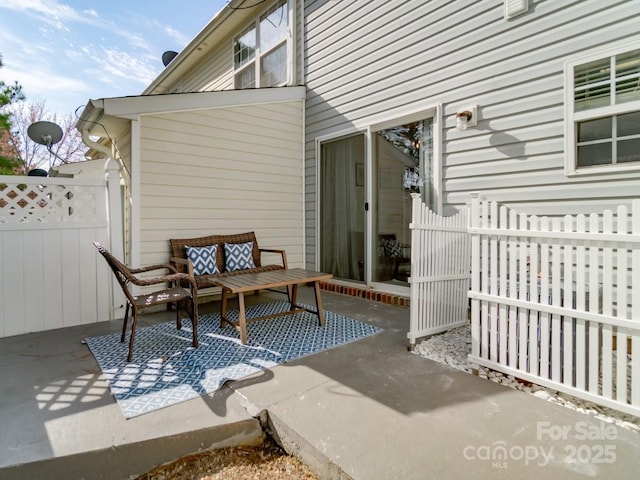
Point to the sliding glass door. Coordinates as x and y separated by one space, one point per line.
365 201
342 214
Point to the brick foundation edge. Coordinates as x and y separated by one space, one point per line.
374 295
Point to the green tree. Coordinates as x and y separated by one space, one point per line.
9 156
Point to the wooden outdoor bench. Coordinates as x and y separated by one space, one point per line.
180 260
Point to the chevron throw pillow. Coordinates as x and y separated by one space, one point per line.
392 248
203 259
238 256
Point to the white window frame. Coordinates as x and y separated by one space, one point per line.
571 117
256 61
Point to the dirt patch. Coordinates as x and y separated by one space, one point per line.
265 462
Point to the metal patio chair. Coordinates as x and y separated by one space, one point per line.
173 293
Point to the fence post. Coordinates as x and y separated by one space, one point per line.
474 222
116 235
416 244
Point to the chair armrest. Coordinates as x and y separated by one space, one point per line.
282 253
150 268
174 277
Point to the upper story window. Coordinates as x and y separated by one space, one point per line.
603 120
260 51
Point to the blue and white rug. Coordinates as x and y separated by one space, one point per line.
167 370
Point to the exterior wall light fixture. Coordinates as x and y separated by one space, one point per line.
467 117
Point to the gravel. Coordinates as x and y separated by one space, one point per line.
266 462
452 347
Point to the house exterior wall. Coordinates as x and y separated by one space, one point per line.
222 170
368 62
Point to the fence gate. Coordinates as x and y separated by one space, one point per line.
440 271
50 275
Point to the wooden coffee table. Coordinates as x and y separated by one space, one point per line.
251 282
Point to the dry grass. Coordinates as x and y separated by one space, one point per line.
266 462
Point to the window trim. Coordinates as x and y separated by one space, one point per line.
256 62
571 117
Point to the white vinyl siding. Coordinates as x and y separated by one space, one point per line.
367 62
224 170
213 75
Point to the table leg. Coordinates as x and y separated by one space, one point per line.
223 310
242 319
293 298
316 290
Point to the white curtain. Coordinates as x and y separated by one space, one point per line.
341 217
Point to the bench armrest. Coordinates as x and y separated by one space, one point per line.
184 261
281 252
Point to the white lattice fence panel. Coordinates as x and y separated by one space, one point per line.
46 203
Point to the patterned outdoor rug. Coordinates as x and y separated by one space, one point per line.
167 370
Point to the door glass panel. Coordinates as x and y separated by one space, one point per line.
403 162
342 194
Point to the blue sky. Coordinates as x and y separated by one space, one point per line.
68 51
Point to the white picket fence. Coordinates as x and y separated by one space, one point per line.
50 273
440 271
552 300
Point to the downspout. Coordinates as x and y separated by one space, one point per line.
115 214
95 145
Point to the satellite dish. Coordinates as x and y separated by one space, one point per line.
168 56
45 133
37 172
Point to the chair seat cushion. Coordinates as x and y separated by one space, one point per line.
162 297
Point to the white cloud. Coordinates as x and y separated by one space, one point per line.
91 13
123 65
176 35
46 82
48 10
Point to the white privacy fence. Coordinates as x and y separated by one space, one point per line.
552 300
440 271
50 276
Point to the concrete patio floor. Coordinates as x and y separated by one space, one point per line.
367 410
